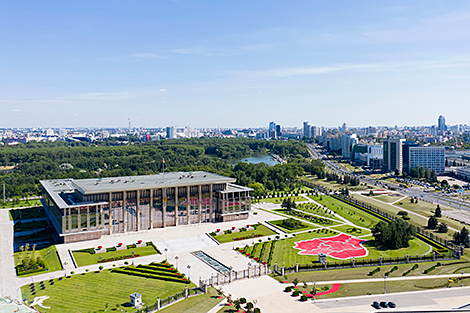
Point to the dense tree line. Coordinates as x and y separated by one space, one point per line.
346 179
393 235
35 161
461 238
420 172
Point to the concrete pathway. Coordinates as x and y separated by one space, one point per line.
8 280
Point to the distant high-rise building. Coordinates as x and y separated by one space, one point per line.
170 132
278 131
344 128
347 143
441 124
316 131
393 154
307 130
272 130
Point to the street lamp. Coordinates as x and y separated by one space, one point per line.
189 273
253 237
132 257
233 243
461 279
314 290
385 287
176 261
166 253
65 270
254 302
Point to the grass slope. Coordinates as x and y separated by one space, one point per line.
48 255
260 230
92 291
86 258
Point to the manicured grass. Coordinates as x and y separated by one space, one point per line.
91 292
449 267
350 290
319 220
201 303
260 230
302 226
280 199
86 258
347 211
351 230
285 253
20 203
315 209
48 255
388 199
417 247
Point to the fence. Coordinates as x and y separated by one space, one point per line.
361 263
161 303
424 235
252 271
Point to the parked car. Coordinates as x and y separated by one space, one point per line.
375 305
383 304
392 304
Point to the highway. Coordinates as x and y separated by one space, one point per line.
414 192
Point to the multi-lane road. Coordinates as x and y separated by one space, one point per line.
415 192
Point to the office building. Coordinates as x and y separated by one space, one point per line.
441 124
347 143
393 154
427 157
170 132
86 209
307 132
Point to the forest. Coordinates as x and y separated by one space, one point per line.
36 161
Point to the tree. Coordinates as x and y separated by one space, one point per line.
393 235
295 281
437 212
442 228
461 238
432 222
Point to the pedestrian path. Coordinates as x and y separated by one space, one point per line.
8 279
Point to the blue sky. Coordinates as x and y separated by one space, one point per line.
233 63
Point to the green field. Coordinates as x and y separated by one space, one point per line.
302 226
201 303
352 214
351 230
48 255
315 209
91 292
260 230
449 267
280 199
388 199
86 258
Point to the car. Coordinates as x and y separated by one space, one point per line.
383 304
375 305
392 304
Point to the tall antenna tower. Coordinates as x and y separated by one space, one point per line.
129 119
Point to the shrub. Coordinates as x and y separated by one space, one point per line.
242 300
374 271
296 293
101 267
288 289
303 298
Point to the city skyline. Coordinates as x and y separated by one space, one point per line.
211 64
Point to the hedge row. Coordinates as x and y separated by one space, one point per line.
247 237
166 278
374 271
432 268
122 257
159 268
150 271
411 269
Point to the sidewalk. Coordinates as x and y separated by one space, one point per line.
8 280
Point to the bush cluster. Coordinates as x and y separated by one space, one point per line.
374 271
122 257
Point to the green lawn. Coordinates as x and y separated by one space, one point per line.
315 209
302 226
86 258
20 203
280 199
201 303
320 220
260 230
285 253
352 214
48 255
353 231
91 292
449 267
388 199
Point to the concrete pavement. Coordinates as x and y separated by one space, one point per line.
8 280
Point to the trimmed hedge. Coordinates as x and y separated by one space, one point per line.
147 275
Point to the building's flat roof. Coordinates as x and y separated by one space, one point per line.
235 188
128 183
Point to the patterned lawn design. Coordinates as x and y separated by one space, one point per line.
341 247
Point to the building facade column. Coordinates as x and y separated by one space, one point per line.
188 204
151 209
164 200
110 223
211 204
176 206
199 204
138 210
124 210
88 217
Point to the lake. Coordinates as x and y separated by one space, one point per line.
256 158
